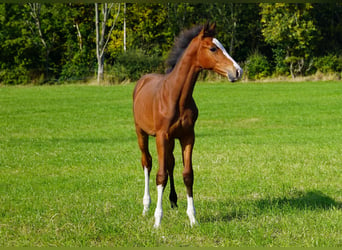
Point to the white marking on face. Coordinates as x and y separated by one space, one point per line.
220 46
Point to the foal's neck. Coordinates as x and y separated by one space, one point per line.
183 77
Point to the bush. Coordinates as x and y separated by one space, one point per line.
328 64
77 68
131 65
257 66
15 75
281 67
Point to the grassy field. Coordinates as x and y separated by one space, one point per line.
267 164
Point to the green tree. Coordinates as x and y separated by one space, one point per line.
78 61
18 60
328 17
290 29
147 28
239 27
44 42
48 24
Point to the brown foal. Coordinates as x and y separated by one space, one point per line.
163 107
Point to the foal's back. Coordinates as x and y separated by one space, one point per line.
148 85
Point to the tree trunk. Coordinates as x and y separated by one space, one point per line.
233 20
35 13
99 64
79 35
100 75
101 40
124 29
291 70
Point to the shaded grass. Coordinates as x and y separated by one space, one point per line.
267 164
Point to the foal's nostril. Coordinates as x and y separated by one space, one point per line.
239 73
234 77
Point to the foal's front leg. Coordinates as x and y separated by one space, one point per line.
161 179
188 175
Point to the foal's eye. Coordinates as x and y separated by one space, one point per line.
213 49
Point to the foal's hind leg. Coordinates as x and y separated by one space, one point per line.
146 162
170 168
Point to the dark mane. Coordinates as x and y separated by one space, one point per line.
181 43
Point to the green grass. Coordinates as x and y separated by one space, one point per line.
267 164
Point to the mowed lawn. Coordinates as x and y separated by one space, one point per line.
267 162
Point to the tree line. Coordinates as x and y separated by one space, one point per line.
115 42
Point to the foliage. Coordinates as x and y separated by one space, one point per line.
131 65
257 66
78 68
15 75
328 64
46 43
328 22
281 68
148 28
17 49
289 27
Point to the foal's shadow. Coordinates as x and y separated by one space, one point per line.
310 200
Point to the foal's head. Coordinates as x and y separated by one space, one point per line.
213 56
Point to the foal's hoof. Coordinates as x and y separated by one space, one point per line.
174 204
194 223
145 212
192 218
173 199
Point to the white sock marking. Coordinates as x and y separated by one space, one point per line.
191 212
158 214
147 197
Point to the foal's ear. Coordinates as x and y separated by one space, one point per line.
209 30
213 26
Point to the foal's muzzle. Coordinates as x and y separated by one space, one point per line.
236 75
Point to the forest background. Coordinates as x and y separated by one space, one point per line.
42 43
